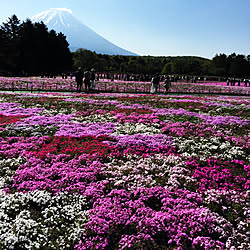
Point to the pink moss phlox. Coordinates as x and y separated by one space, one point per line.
56 176
218 174
138 118
151 217
90 129
15 146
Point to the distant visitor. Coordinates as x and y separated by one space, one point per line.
87 81
79 79
155 83
167 84
92 79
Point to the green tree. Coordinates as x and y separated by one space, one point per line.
10 32
86 59
43 50
11 28
221 64
178 66
167 69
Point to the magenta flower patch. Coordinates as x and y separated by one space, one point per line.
123 171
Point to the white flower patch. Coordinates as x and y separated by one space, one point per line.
8 168
37 220
137 128
53 112
2 99
32 130
226 198
204 148
231 202
49 112
104 118
157 170
68 110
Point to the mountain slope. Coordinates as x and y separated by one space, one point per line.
78 35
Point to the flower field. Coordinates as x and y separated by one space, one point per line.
124 171
106 85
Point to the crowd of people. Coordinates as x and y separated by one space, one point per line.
155 82
237 82
87 77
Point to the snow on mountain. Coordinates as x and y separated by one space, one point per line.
78 35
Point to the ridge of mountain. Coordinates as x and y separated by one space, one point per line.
78 34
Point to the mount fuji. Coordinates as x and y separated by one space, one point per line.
78 35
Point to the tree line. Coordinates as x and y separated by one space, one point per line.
30 48
220 65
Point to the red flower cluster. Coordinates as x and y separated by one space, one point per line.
74 146
4 120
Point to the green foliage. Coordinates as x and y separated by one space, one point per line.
11 28
220 65
232 65
31 48
179 118
138 64
167 69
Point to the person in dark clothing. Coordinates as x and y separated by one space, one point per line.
79 79
92 79
245 82
167 84
87 81
155 81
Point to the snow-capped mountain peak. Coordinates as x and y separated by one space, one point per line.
77 34
51 14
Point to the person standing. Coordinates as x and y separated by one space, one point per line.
245 82
155 83
87 81
92 79
167 84
79 79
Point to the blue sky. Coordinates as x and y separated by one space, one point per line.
156 27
